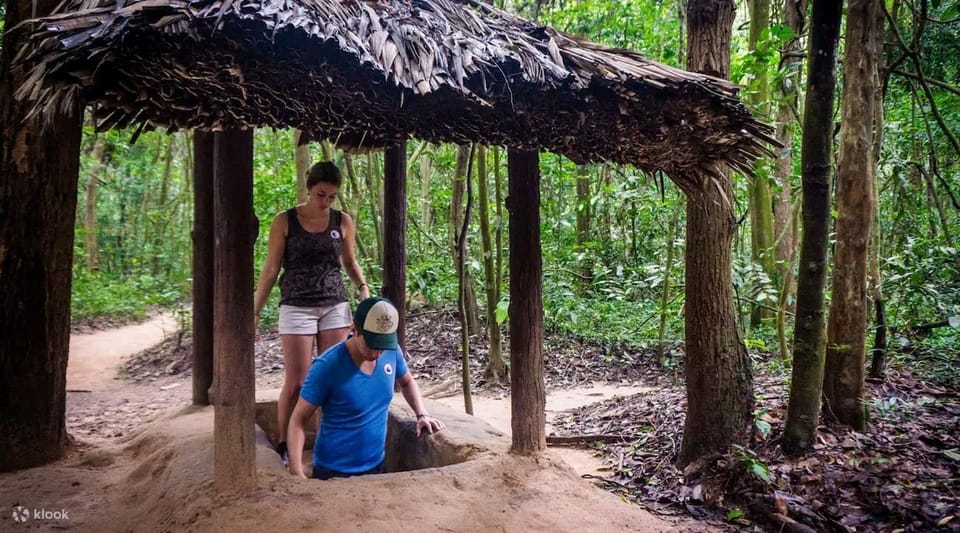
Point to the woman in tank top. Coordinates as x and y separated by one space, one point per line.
309 242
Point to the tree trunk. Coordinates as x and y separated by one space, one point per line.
498 199
527 393
787 109
353 203
847 325
879 353
90 222
39 172
202 267
583 229
667 269
456 225
496 369
761 204
376 205
395 231
234 235
301 157
719 380
161 208
462 301
816 157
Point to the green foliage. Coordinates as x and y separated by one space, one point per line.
104 294
753 465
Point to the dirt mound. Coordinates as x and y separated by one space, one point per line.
160 478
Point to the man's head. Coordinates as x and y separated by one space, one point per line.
376 320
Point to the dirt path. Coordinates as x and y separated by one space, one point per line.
94 357
496 412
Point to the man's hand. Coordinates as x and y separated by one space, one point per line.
432 425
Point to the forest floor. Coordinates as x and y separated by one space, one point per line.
141 458
617 416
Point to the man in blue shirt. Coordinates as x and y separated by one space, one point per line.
352 383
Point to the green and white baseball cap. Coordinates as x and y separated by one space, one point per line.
377 319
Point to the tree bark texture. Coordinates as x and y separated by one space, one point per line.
395 231
719 380
527 392
234 235
90 220
202 267
39 171
843 384
816 158
795 17
761 202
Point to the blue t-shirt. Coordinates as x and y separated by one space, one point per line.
353 429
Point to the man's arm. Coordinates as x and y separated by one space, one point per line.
296 434
411 393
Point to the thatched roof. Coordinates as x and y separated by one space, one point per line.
369 73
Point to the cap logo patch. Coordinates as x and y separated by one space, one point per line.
382 318
384 323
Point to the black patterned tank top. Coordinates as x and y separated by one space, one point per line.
311 264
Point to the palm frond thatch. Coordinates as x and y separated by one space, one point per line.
370 73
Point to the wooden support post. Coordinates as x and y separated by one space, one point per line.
234 454
202 266
395 230
527 394
39 165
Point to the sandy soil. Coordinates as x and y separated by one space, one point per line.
496 412
141 461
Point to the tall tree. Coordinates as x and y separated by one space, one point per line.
301 158
791 64
847 325
496 369
90 222
816 157
39 167
719 380
457 225
583 229
761 205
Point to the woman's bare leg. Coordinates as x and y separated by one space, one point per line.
328 337
297 354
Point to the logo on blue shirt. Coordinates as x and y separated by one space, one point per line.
388 369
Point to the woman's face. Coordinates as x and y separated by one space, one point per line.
323 194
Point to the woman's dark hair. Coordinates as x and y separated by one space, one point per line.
324 171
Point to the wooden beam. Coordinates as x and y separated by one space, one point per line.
527 394
395 230
234 454
202 266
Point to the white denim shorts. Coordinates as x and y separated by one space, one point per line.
296 320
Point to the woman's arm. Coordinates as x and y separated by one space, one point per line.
348 257
271 267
